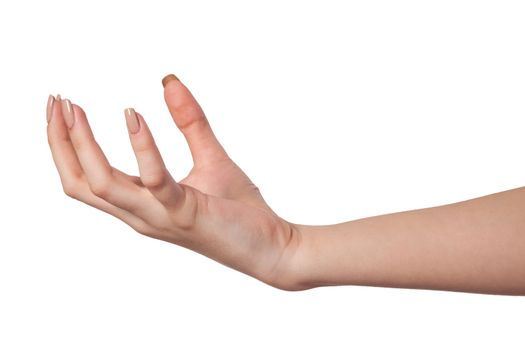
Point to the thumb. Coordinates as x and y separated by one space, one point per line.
190 119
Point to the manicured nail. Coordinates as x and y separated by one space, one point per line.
50 103
59 98
132 121
168 78
68 113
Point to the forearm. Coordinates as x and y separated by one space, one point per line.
474 246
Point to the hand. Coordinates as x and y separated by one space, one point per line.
216 210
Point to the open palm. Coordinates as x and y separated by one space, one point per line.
216 210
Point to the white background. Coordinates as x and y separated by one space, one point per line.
336 110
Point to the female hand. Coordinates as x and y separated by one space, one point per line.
216 210
473 246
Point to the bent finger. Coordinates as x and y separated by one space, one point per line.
98 172
153 173
70 172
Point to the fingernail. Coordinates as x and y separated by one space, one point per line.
59 98
132 121
168 78
68 113
50 103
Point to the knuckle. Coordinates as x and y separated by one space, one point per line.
71 188
189 109
101 187
190 115
145 229
143 145
78 143
154 181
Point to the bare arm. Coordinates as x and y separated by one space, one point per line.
216 210
476 245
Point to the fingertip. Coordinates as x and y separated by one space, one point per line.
172 90
139 116
55 118
132 120
78 110
50 103
142 138
169 78
142 122
182 105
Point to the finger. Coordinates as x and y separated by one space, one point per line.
190 119
153 172
70 171
99 175
62 151
60 143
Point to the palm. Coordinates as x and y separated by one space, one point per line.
226 180
214 173
215 210
238 214
236 217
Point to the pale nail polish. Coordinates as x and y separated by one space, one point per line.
168 78
132 121
68 113
50 103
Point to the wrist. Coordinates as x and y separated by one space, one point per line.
316 261
295 266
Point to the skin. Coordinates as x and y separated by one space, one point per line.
472 246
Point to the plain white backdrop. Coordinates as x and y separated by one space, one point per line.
336 110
